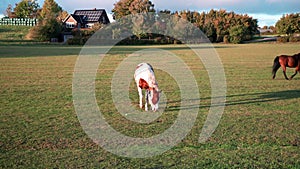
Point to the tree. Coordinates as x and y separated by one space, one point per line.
237 33
142 24
210 31
62 15
288 24
127 7
8 11
26 9
23 9
50 10
216 24
50 23
272 28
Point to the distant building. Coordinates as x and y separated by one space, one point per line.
265 30
86 18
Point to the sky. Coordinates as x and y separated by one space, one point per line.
268 12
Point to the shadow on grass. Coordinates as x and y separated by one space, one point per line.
249 98
120 49
263 97
34 49
19 48
37 50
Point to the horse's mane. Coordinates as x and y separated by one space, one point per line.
297 56
150 67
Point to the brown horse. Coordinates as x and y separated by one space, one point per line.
284 61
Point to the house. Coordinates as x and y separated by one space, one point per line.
265 30
86 18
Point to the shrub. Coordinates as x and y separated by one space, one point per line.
237 34
226 39
80 37
77 41
283 39
294 39
45 30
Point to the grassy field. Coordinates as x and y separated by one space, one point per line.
10 33
39 127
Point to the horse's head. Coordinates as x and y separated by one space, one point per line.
154 98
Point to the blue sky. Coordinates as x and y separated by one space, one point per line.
266 11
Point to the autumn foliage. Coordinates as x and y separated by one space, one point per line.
217 25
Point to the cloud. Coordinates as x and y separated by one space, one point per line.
281 1
266 19
266 8
71 5
240 6
194 5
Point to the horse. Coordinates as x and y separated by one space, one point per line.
284 61
145 79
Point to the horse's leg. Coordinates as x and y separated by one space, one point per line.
296 71
274 75
146 100
284 72
141 97
276 66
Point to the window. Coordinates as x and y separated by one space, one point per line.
70 25
103 20
89 25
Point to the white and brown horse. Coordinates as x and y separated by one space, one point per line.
145 79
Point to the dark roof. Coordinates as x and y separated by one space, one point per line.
79 18
91 15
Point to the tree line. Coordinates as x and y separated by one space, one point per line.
217 25
222 26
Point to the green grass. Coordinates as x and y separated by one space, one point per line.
39 126
9 33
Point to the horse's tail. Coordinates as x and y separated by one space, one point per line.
276 66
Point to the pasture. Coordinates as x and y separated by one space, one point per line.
39 127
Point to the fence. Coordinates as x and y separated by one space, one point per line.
19 21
